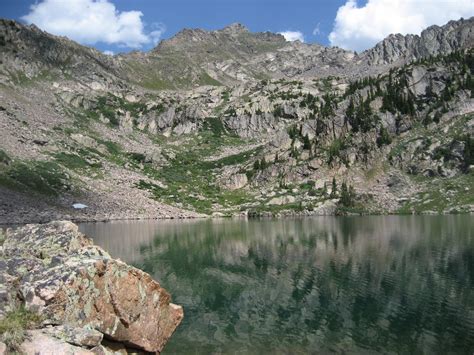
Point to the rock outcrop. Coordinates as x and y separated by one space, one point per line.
433 41
56 271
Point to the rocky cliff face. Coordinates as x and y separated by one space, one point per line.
81 293
433 41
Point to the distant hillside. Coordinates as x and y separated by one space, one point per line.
231 122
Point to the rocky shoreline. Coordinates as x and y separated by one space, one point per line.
324 210
19 208
82 300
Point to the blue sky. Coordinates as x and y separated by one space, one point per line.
123 25
257 15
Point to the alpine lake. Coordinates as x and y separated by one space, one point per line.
345 285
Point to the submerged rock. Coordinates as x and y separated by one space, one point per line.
59 273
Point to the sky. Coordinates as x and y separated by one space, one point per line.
116 26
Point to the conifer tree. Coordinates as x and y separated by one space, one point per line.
334 188
325 189
306 142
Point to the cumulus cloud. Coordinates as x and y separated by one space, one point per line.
359 28
108 53
91 21
291 36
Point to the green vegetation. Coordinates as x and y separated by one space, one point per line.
231 112
311 102
225 96
360 116
468 153
441 195
191 182
4 158
77 161
20 78
156 84
42 177
383 137
395 99
333 188
107 111
215 125
205 79
306 143
138 158
335 149
260 164
348 195
14 326
110 105
112 147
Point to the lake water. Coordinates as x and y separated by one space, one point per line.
382 284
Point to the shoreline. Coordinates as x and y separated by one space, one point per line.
8 224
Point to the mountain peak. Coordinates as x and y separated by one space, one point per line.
235 28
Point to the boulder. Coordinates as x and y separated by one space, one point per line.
59 273
327 208
236 181
282 200
40 343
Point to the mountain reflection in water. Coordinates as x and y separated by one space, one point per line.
401 284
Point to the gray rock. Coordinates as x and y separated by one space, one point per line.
84 337
40 343
60 274
282 200
237 181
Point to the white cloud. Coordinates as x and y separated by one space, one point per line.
359 28
158 30
91 21
108 53
291 36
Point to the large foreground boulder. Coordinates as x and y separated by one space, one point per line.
59 273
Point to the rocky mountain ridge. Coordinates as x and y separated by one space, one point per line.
229 56
433 41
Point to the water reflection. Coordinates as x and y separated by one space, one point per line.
346 285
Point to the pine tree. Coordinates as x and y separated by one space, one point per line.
334 188
347 195
429 93
468 152
384 137
350 111
256 165
345 198
306 142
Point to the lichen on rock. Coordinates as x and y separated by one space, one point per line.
59 273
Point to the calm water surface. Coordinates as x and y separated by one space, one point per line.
396 284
